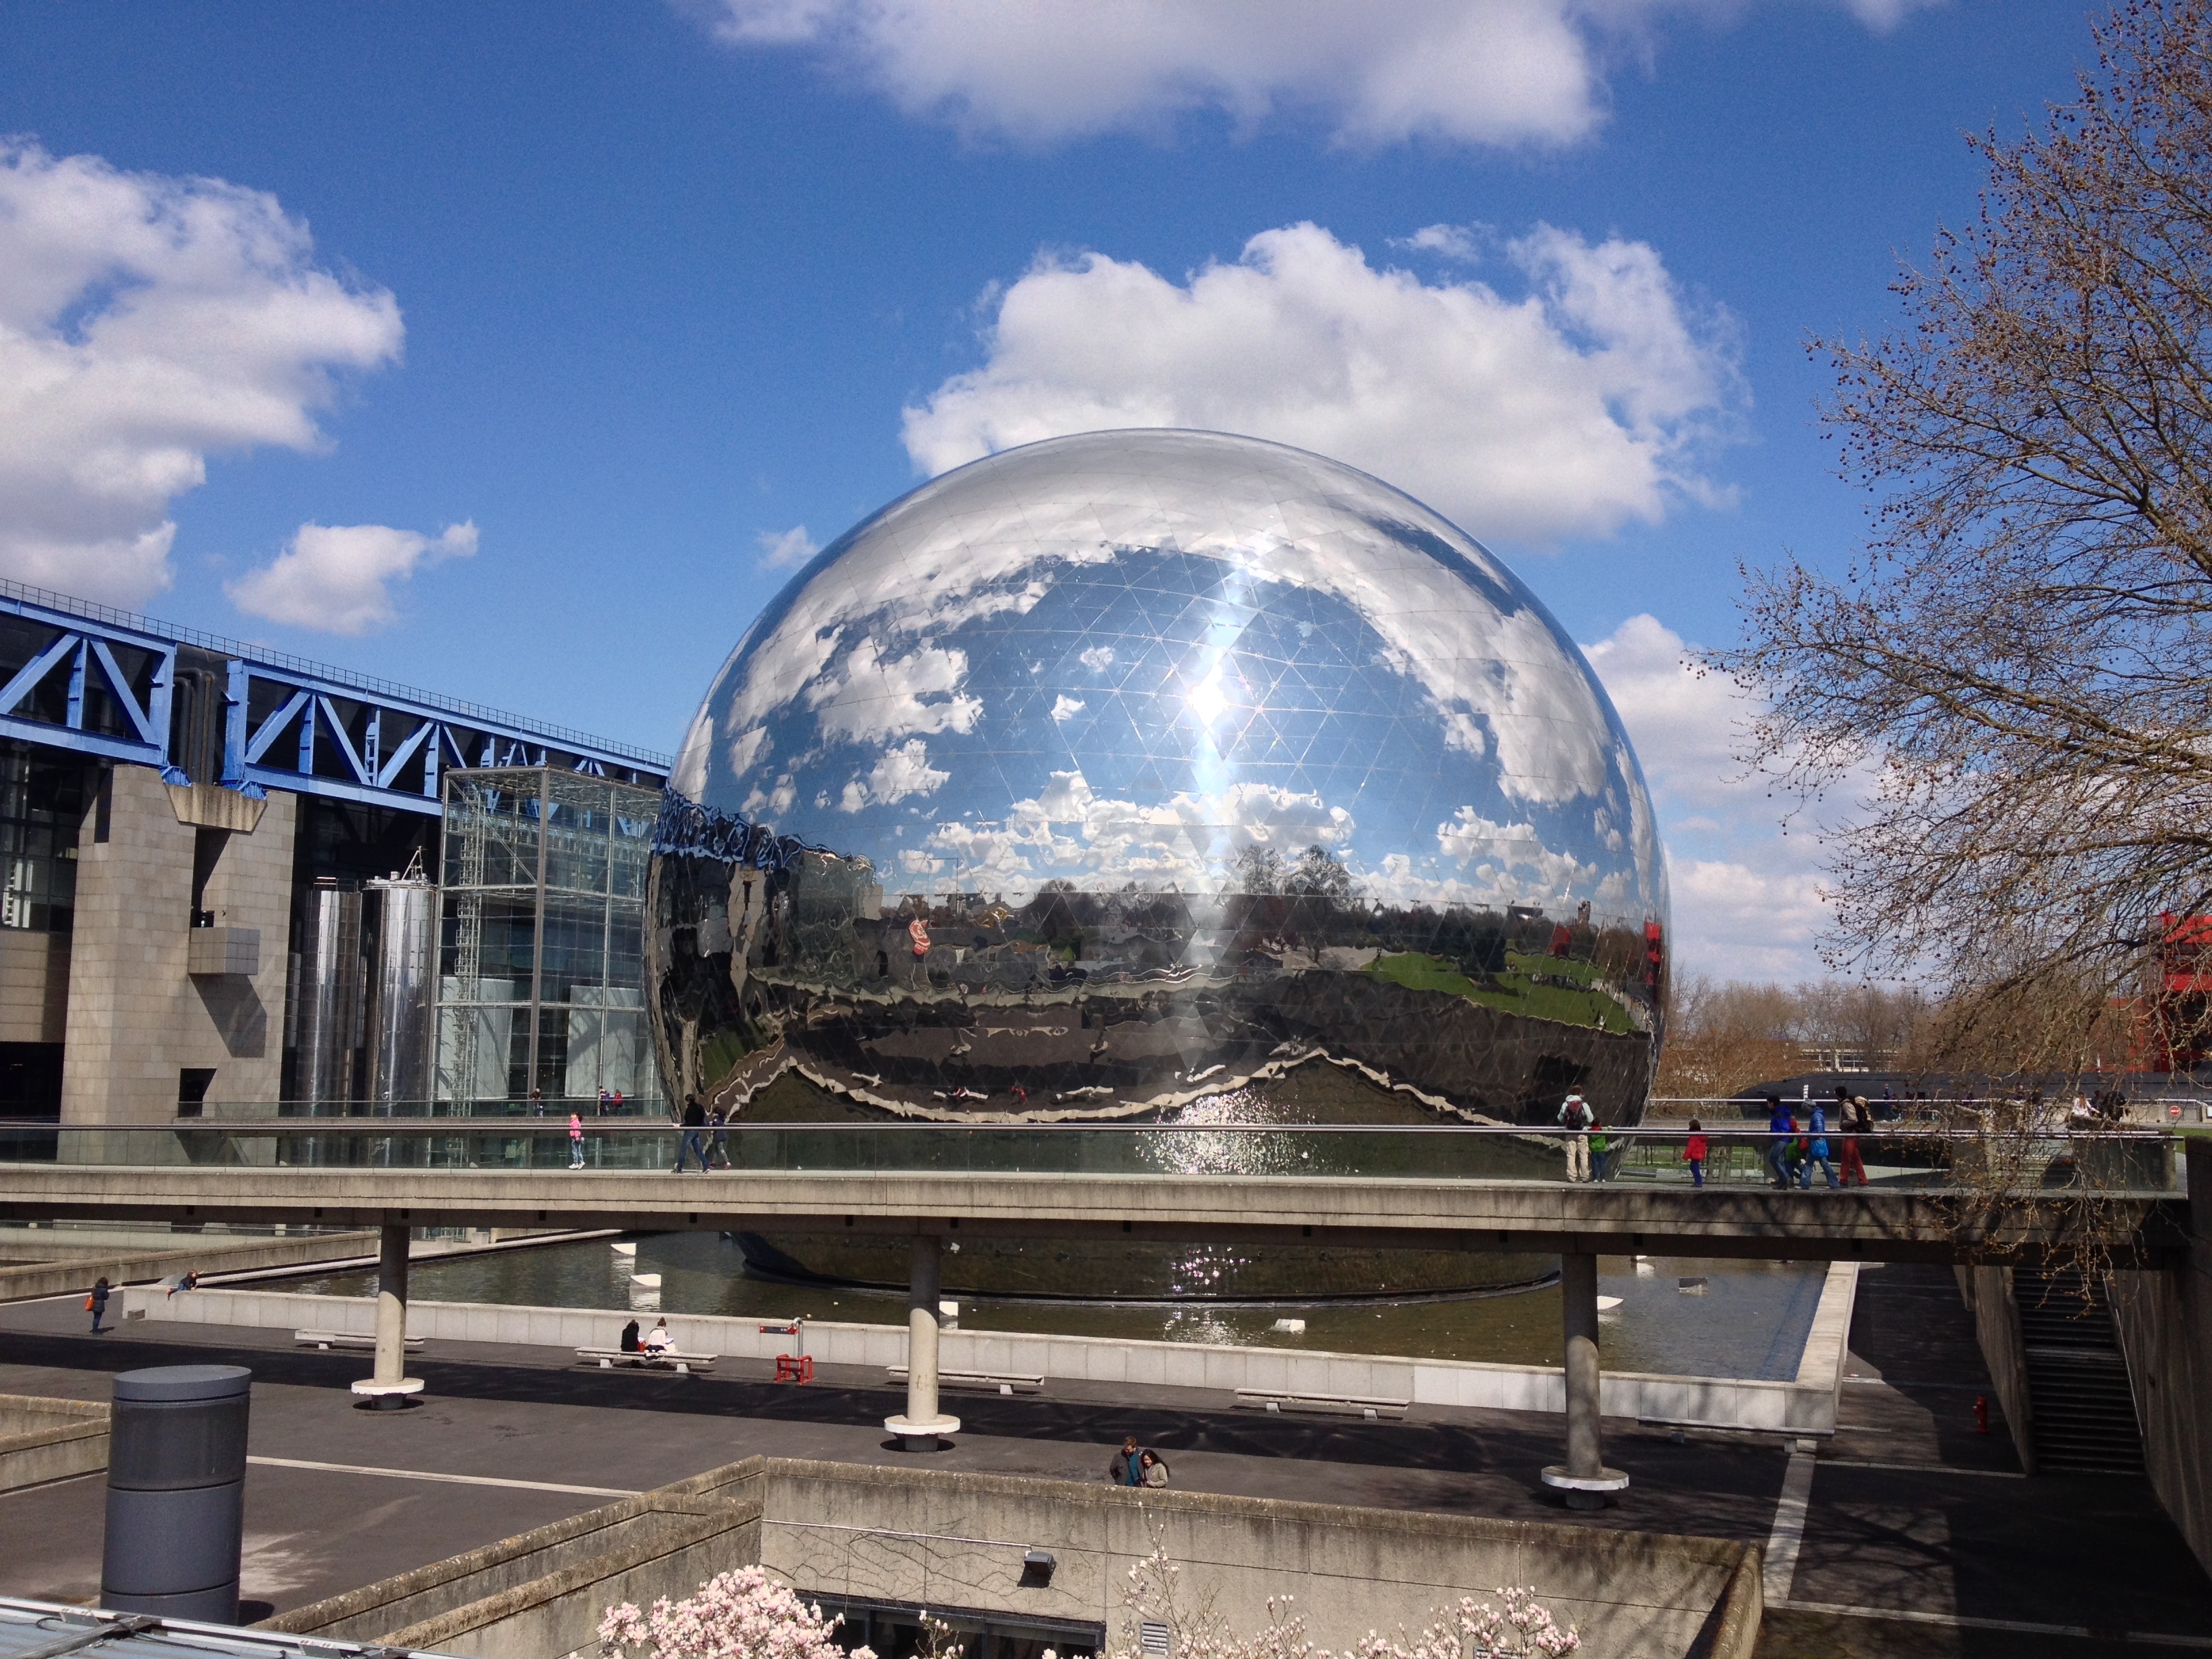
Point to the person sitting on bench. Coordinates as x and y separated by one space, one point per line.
629 1344
658 1341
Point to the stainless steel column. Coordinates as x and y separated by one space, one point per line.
1584 1478
391 1385
176 1492
923 1423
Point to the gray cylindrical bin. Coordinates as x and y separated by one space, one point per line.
176 1492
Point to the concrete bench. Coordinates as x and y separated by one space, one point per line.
608 1358
328 1340
1367 1407
993 1381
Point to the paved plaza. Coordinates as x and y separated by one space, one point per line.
1911 1510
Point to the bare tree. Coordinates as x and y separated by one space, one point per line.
2023 654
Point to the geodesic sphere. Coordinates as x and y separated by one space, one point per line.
1142 769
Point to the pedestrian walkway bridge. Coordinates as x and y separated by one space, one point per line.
1933 1195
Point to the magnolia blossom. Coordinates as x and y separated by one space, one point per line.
1517 1626
745 1614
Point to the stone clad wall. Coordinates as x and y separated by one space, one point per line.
136 1015
932 1538
1988 1291
2165 1322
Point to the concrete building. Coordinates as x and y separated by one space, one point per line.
205 848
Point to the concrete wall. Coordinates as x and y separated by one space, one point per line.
2165 1324
136 1017
34 973
218 1255
1988 1295
1804 1405
540 1593
942 1539
43 1440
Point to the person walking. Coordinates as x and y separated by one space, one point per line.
1155 1469
97 1302
1126 1469
602 1108
1693 1153
537 1102
1816 1151
1780 1126
1599 1146
1858 1120
1576 1114
693 1123
719 1143
575 1141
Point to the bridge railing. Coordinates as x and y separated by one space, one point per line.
1910 1157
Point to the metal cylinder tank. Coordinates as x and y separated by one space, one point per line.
176 1486
400 914
325 1032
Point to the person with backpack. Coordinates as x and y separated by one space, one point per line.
1858 1120
1693 1153
96 1303
1816 1151
1578 1117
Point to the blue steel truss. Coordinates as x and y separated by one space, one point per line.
104 683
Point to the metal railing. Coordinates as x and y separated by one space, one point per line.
1902 1157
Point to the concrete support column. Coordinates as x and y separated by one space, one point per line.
923 1422
1584 1478
391 1385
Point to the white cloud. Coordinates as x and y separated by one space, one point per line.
1467 836
876 699
147 322
897 774
1066 708
1097 659
1588 401
782 548
1447 241
1746 888
1188 841
335 578
1884 15
1036 72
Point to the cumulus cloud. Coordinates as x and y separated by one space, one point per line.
1745 886
877 698
1590 399
337 578
781 549
1187 842
147 322
897 774
1494 72
1065 707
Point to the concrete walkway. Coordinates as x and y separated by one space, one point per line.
509 1438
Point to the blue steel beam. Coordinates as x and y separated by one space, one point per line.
440 734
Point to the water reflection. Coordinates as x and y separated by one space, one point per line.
1751 1319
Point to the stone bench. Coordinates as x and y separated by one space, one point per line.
642 1359
1368 1407
327 1340
995 1382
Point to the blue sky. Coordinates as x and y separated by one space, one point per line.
539 319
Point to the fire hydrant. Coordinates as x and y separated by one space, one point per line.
1981 1413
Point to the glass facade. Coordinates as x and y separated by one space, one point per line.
43 799
540 978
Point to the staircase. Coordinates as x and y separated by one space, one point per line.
2083 1411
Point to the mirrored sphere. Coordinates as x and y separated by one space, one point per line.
1158 775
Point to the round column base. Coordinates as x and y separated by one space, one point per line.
1585 1492
925 1436
388 1396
